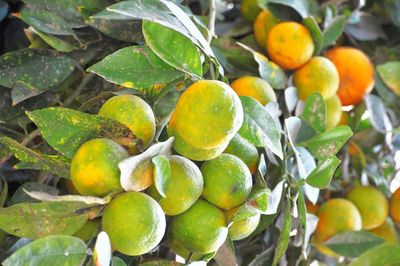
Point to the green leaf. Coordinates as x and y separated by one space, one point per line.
386 254
378 116
284 236
51 250
390 74
46 22
364 27
30 71
65 129
162 173
321 176
258 199
173 47
314 112
225 255
57 165
116 261
304 8
333 31
316 33
56 43
259 127
353 243
328 143
160 262
135 67
35 220
20 196
4 191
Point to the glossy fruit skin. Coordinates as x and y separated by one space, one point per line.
134 113
371 203
94 167
262 26
290 45
387 231
200 229
335 216
242 228
356 73
395 206
227 181
249 9
208 114
333 112
254 87
134 222
245 151
184 187
317 75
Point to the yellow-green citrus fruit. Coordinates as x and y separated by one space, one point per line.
387 231
134 113
134 222
94 167
200 229
262 25
317 75
227 181
333 112
208 114
371 203
242 228
290 45
249 9
89 230
183 252
245 151
395 206
254 87
335 216
184 187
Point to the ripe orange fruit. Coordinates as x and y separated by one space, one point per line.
208 114
387 231
290 45
134 222
356 73
317 75
395 206
254 87
249 9
333 112
200 229
240 229
262 26
335 216
245 151
94 167
183 189
227 181
134 113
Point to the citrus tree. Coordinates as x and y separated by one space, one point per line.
159 132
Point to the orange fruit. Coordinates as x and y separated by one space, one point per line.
395 206
254 87
317 75
290 45
356 73
333 112
387 231
371 203
94 167
134 222
262 25
227 181
245 151
249 9
134 113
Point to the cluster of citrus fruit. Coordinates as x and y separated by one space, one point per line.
365 208
200 199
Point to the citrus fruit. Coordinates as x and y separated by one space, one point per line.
89 230
344 119
201 229
245 151
317 75
208 114
184 187
289 44
134 113
94 167
183 252
333 112
387 231
142 176
227 181
335 216
134 222
242 228
395 206
249 9
262 25
254 87
356 73
371 203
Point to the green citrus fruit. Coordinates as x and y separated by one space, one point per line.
245 151
242 228
333 112
249 9
89 230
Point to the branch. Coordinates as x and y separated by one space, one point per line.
211 30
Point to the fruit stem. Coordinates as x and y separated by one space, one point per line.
211 30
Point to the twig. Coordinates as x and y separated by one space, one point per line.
79 89
211 30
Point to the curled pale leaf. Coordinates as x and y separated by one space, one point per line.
102 250
85 199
